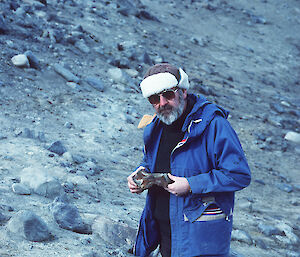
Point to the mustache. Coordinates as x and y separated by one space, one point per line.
165 108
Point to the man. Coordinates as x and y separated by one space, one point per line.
190 139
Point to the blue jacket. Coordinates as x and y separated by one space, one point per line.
211 158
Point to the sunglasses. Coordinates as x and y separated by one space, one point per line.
168 94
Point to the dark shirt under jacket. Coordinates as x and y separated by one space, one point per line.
171 136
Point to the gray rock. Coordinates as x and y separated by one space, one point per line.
113 232
66 74
277 108
41 137
3 26
20 189
260 243
49 189
78 159
82 46
29 226
95 83
289 237
3 218
127 8
20 60
28 133
119 76
241 236
33 60
269 230
58 148
147 59
67 217
293 137
284 187
145 15
41 181
69 125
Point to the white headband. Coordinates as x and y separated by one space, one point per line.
157 83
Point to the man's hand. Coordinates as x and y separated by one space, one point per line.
179 187
133 187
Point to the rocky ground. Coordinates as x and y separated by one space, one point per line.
70 106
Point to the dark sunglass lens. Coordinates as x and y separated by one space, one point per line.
169 95
154 99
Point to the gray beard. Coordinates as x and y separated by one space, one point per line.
174 114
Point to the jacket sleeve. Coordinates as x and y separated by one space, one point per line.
230 170
144 162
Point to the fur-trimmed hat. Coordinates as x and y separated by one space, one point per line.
163 76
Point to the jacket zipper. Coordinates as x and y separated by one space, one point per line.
183 141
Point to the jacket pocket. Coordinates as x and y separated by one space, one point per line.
197 213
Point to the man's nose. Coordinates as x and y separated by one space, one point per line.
162 100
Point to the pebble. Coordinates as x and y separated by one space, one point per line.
28 133
293 136
288 233
241 236
147 59
65 73
117 75
82 46
20 189
41 181
95 83
67 217
30 226
78 159
58 148
269 230
284 187
33 60
112 231
277 108
3 26
145 15
20 60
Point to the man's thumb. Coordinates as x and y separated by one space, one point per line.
171 176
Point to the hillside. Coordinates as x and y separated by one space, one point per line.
70 105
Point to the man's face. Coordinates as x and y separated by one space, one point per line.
169 110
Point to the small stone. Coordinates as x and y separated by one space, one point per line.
95 83
3 26
21 61
269 230
293 136
69 125
27 133
33 60
117 75
277 108
78 159
68 75
67 216
30 226
3 218
241 236
58 148
20 189
284 187
82 46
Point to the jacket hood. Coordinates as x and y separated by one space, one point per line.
202 113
